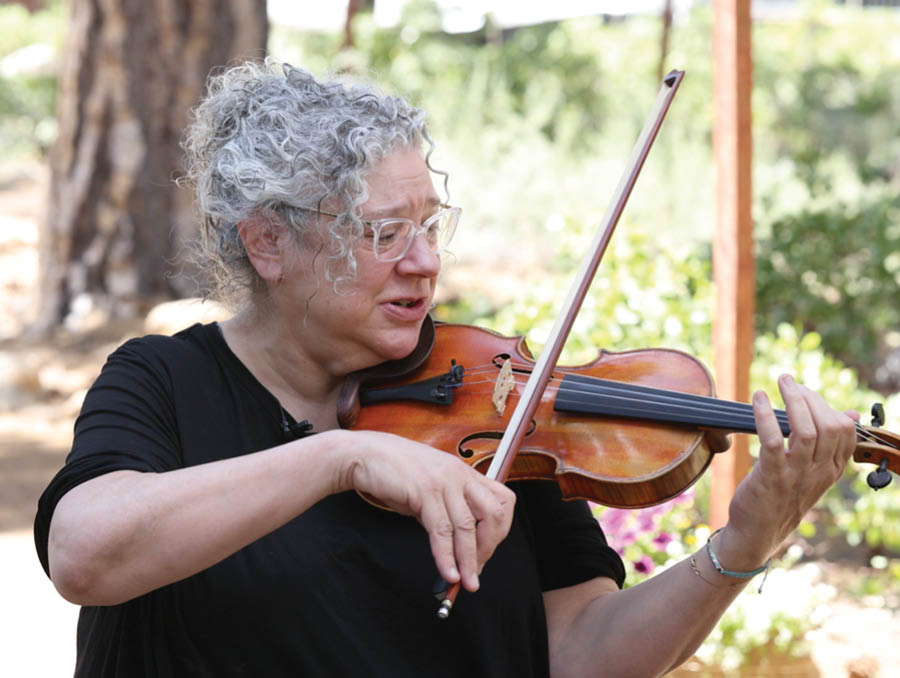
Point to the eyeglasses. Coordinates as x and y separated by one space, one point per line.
391 238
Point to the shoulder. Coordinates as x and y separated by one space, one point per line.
155 364
192 340
197 342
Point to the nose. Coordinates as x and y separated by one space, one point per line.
420 259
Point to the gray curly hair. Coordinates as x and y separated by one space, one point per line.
269 138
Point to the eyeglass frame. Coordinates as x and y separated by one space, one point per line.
377 224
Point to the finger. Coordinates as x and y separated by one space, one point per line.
465 546
802 440
847 422
437 524
493 505
832 430
718 441
771 439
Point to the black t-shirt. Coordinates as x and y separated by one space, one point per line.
342 590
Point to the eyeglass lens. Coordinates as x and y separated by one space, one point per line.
394 237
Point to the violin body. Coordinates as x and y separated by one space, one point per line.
620 462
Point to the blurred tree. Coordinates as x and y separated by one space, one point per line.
30 5
353 7
115 221
664 39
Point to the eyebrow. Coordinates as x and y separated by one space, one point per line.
393 210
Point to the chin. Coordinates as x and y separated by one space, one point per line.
399 345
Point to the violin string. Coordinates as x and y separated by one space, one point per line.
722 406
620 392
742 411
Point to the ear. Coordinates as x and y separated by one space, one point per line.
264 239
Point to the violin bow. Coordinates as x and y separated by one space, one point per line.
549 356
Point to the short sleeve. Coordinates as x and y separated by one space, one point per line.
127 421
569 543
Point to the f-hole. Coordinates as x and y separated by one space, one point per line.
499 359
467 453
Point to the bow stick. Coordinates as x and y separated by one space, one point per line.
543 368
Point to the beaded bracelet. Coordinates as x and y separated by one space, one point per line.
730 573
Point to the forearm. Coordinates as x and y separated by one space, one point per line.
677 609
127 533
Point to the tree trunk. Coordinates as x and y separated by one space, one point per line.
664 40
116 223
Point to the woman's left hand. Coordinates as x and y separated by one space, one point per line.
788 479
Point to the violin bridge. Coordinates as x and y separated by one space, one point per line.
504 384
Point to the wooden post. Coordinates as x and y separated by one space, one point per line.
733 261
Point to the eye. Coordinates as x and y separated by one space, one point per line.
390 233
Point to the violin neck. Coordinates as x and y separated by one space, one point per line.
590 395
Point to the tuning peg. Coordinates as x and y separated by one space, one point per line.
879 478
877 415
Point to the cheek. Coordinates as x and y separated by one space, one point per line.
371 278
349 301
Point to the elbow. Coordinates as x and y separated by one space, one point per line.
76 575
72 582
89 547
80 568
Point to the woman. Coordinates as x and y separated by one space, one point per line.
207 532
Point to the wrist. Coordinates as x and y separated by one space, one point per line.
740 577
736 552
330 460
343 451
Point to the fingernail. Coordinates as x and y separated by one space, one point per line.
454 574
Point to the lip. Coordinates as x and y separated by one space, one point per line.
413 312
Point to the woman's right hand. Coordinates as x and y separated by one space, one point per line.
465 514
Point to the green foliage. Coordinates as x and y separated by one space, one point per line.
29 44
27 107
21 28
650 292
545 118
540 79
836 271
869 520
827 113
829 100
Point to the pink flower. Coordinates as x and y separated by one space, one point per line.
647 520
644 564
662 539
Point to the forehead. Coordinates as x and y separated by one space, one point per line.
400 182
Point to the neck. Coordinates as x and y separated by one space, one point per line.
280 361
590 395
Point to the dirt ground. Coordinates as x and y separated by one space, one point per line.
41 387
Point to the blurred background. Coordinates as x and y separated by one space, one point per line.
534 108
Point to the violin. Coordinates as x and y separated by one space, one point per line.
630 429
